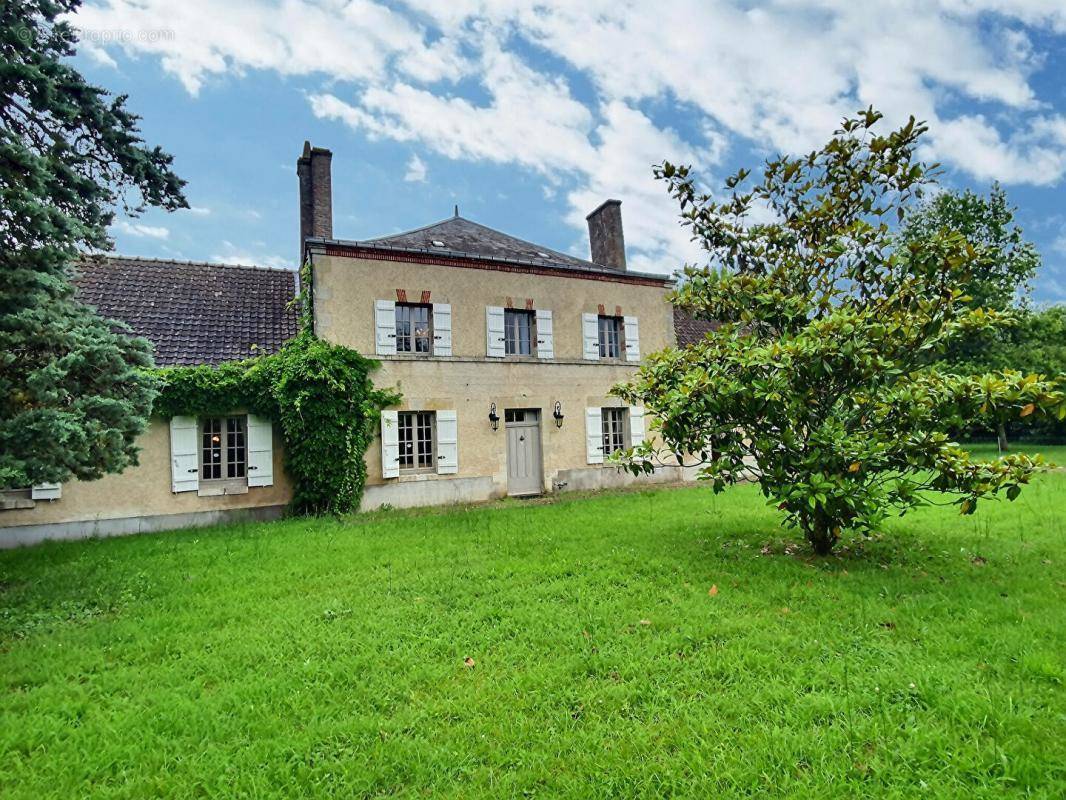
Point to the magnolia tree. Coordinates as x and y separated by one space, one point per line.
821 382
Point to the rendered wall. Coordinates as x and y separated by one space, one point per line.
141 492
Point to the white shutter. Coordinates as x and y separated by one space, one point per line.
385 327
494 344
636 426
442 329
46 491
184 461
260 451
545 335
632 338
390 444
590 334
447 443
594 435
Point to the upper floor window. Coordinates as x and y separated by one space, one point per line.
518 332
416 435
612 336
414 330
223 452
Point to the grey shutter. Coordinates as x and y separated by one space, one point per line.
442 329
494 343
545 334
260 451
385 327
184 463
447 443
632 331
390 444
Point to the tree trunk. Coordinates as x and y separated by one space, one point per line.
822 536
1001 438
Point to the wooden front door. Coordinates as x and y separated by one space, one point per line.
524 471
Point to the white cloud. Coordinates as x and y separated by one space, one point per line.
234 255
199 211
778 74
416 170
140 230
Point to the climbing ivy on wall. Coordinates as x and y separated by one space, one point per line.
319 393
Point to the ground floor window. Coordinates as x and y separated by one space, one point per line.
416 434
223 450
614 429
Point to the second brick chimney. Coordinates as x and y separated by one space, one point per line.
316 194
605 235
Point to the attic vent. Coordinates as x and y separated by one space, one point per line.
437 243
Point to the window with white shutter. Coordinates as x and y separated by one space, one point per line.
590 335
385 327
545 334
594 434
636 426
184 454
447 443
442 329
632 343
46 491
495 346
390 444
260 451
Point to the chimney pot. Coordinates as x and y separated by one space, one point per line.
605 235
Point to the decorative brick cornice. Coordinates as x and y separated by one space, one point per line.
376 254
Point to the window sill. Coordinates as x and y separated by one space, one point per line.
214 488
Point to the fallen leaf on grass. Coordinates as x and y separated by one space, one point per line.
786 610
469 661
979 561
645 622
713 590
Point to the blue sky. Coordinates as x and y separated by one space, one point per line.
528 116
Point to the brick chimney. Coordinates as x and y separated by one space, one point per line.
605 235
316 194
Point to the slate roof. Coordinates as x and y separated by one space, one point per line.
688 329
194 313
463 238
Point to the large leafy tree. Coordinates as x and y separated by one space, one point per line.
73 396
1000 274
821 381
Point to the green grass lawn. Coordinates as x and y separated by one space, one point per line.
645 644
1055 453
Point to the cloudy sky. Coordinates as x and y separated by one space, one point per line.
528 115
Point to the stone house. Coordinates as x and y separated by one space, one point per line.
505 353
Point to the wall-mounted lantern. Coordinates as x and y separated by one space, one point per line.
558 414
494 418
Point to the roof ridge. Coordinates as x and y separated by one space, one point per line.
419 230
536 249
182 261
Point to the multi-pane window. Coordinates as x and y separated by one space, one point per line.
416 441
612 336
614 429
223 453
413 329
518 332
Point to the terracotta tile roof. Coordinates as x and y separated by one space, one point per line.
688 329
194 313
